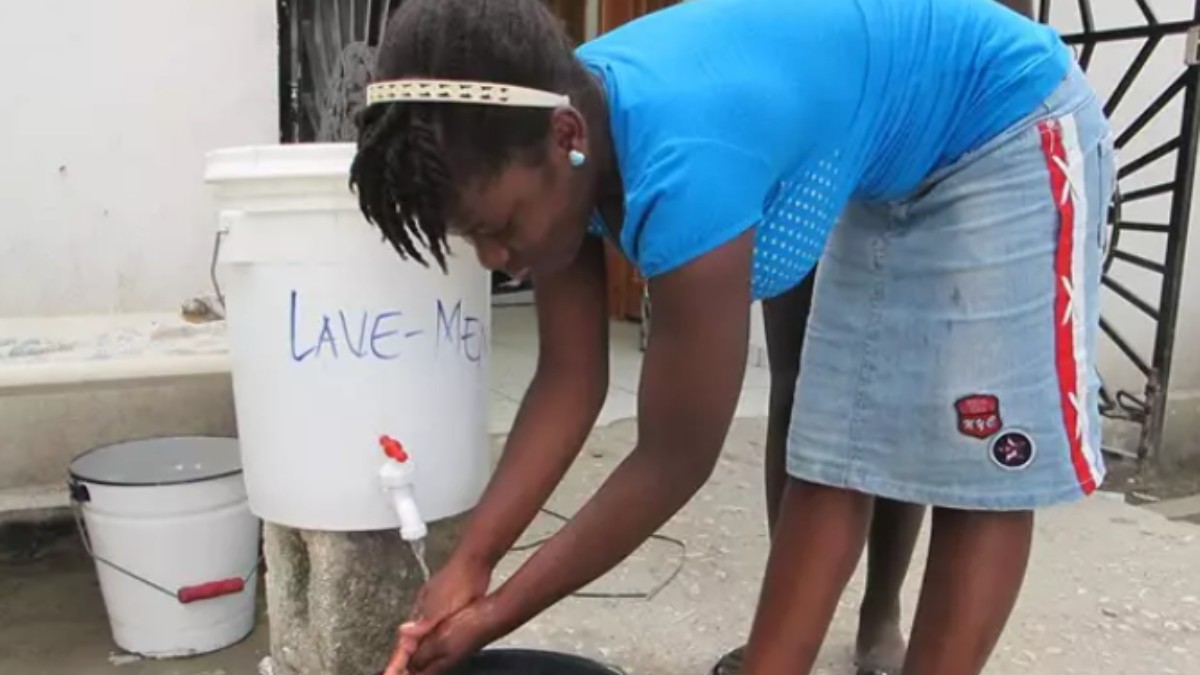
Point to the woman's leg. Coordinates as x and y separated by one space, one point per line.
895 526
785 320
894 530
977 562
817 544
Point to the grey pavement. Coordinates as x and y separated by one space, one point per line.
1112 588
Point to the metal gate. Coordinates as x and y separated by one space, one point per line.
326 60
1155 55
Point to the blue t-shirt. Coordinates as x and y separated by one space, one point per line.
731 114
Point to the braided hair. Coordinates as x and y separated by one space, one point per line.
411 156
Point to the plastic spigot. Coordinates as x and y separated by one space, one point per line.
396 476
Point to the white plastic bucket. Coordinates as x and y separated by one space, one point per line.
175 544
336 341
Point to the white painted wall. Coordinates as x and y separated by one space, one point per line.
106 110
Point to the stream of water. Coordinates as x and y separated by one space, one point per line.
418 549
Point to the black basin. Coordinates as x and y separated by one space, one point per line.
533 662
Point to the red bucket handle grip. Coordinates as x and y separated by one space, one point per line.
212 589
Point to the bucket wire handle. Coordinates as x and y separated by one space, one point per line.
218 238
185 594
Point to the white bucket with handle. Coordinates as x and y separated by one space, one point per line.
175 545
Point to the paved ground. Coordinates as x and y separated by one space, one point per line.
1112 588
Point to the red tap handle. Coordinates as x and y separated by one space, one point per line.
392 448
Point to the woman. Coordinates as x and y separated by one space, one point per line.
948 358
879 647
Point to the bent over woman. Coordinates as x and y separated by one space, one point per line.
945 160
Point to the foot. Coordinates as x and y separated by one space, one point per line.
731 663
880 647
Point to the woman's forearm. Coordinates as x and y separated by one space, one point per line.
556 415
557 412
691 380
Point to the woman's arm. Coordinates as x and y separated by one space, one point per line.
558 411
691 380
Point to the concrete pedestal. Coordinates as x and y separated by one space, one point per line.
335 599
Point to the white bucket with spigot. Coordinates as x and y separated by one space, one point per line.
336 342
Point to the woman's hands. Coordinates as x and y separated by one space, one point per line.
456 638
452 590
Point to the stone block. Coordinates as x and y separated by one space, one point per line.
335 599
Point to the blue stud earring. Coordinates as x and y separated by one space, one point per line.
576 158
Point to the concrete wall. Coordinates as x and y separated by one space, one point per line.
758 337
1108 66
106 111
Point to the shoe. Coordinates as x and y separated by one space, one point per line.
731 663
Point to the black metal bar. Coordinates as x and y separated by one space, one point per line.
1043 13
1144 5
1132 403
1150 157
1124 346
1130 33
1085 15
1113 239
282 23
1106 401
1085 59
1130 297
1148 192
1133 226
1138 260
1181 211
1131 73
1163 100
1089 27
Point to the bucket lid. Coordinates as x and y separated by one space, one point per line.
272 162
159 461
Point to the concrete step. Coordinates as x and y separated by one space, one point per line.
34 503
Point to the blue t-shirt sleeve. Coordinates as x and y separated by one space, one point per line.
693 196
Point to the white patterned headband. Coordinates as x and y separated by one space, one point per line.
461 91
